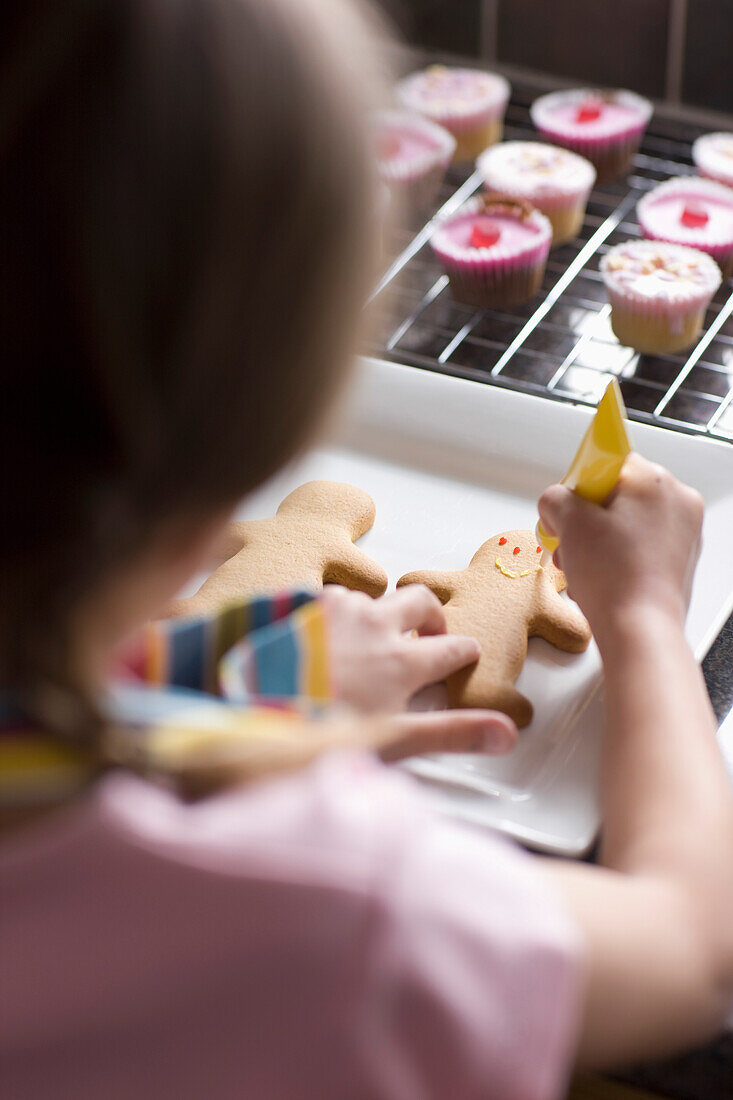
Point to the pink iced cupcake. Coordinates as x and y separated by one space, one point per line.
467 102
603 126
554 180
412 156
659 293
494 250
692 211
713 157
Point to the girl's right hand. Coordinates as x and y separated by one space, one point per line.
634 555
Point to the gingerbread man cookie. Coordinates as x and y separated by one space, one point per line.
308 543
503 598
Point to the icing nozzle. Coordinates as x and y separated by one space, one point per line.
596 468
549 543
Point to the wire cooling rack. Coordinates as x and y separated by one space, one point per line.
560 345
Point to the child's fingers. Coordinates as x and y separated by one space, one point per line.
415 607
433 659
554 506
563 512
448 731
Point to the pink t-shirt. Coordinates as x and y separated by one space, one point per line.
322 935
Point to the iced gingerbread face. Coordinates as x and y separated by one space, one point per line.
515 561
503 598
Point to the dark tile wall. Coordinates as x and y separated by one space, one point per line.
452 26
708 71
621 43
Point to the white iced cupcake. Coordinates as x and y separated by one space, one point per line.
554 180
467 102
412 156
713 157
659 293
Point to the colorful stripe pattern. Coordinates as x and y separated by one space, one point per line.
270 650
284 659
187 652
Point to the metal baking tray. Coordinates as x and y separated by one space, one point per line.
560 345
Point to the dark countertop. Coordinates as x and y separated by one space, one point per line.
718 670
707 1073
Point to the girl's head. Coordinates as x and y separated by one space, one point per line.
184 201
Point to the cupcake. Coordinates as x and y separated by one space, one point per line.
692 211
713 157
659 293
555 181
604 127
412 156
494 250
467 102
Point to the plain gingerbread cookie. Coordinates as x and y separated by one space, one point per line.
308 543
502 599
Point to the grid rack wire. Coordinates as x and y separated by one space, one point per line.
560 345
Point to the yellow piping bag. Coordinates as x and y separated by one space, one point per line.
597 465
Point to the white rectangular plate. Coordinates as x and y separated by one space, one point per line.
450 463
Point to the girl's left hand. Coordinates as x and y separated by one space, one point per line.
378 665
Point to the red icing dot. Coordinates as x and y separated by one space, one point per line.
694 215
484 238
388 146
588 111
515 550
539 549
502 541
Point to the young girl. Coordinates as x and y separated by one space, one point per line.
184 195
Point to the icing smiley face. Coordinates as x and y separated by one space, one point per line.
520 557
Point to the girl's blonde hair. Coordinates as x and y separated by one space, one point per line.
185 192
